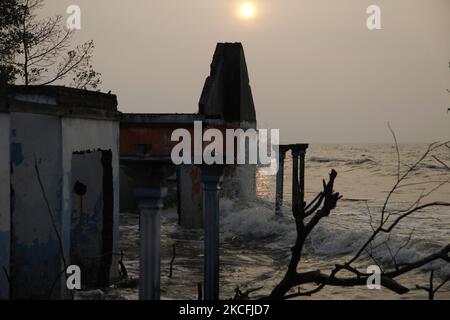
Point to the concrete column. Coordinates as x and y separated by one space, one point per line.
178 175
302 177
295 184
280 183
150 203
211 178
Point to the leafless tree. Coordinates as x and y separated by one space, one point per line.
308 216
45 56
9 12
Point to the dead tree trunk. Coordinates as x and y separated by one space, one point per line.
301 212
307 216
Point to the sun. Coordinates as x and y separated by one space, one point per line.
247 11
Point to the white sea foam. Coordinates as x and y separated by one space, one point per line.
339 160
256 222
253 221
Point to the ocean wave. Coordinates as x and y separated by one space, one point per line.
387 250
257 222
360 161
433 167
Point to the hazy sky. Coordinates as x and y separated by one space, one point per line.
316 71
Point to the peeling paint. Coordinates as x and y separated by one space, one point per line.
29 246
16 154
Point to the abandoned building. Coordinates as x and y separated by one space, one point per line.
226 102
59 183
63 153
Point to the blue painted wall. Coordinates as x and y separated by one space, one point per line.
35 255
87 216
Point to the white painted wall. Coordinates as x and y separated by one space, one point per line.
82 135
5 212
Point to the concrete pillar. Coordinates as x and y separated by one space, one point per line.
295 184
280 183
302 177
150 203
178 175
211 178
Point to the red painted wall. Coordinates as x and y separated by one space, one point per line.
157 136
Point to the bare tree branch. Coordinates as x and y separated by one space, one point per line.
321 207
431 289
44 57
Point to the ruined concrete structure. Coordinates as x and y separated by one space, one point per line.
59 189
298 151
59 174
226 102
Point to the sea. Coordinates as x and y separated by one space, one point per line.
255 244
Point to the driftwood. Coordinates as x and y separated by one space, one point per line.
308 216
174 254
244 295
123 273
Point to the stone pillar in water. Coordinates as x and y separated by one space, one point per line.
150 203
211 179
302 177
295 184
280 182
298 176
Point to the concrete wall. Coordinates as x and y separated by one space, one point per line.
227 93
5 212
50 141
128 202
84 135
156 138
40 130
35 254
190 193
240 180
89 216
